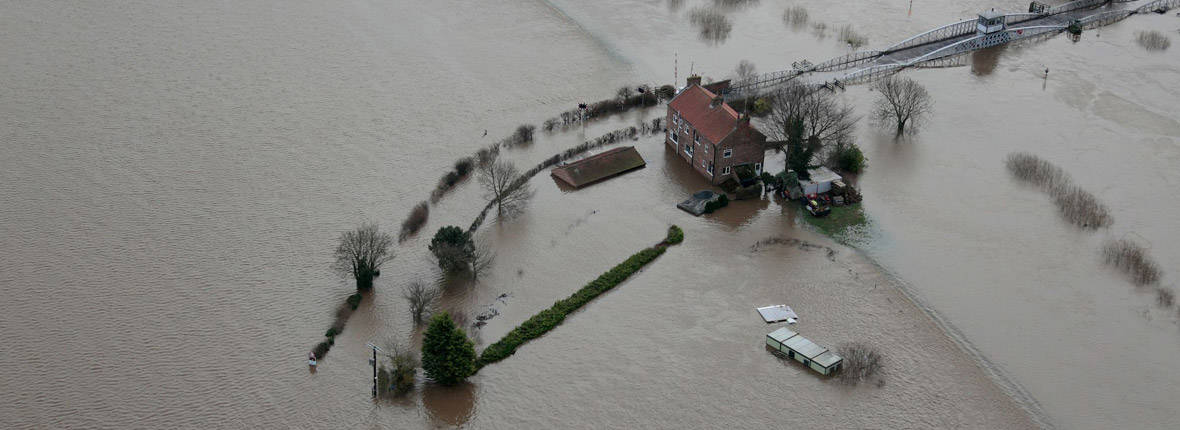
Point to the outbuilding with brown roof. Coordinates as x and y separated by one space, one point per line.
599 167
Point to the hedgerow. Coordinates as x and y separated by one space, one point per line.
550 318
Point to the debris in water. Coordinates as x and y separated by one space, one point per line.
778 313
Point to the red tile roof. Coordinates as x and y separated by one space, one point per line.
712 122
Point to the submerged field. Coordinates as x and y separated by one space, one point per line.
175 174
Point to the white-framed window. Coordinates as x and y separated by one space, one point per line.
710 168
688 149
725 170
727 153
696 137
757 168
672 134
705 163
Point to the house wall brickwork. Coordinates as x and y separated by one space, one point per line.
745 142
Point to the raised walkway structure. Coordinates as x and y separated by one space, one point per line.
943 46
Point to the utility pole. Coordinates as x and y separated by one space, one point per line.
582 107
373 361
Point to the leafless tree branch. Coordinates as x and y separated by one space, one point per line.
361 252
505 186
903 102
745 71
421 299
825 122
482 259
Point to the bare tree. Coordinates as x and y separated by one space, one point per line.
746 71
399 379
805 123
713 25
505 186
481 259
861 363
1133 260
361 253
903 101
421 299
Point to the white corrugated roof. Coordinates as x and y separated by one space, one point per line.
827 359
822 174
781 334
776 313
804 347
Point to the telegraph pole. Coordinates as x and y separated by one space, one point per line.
373 361
582 107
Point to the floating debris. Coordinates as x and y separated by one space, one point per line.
778 313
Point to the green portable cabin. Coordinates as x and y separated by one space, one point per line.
804 351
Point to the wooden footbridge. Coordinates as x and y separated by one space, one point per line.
945 46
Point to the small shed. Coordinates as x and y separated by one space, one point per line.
820 182
816 357
599 167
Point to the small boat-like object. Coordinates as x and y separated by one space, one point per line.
311 359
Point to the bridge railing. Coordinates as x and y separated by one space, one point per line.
1017 18
983 41
949 50
1105 18
960 28
847 61
1075 5
952 61
1158 4
752 85
1021 34
871 73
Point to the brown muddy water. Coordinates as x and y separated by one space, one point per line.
173 176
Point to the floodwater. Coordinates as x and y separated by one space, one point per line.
173 176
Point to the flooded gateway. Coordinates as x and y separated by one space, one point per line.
174 176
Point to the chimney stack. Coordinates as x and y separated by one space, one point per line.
694 80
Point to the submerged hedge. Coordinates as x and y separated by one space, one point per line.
550 318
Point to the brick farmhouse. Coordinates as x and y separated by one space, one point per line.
709 135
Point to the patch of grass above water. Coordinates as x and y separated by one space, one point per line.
840 222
